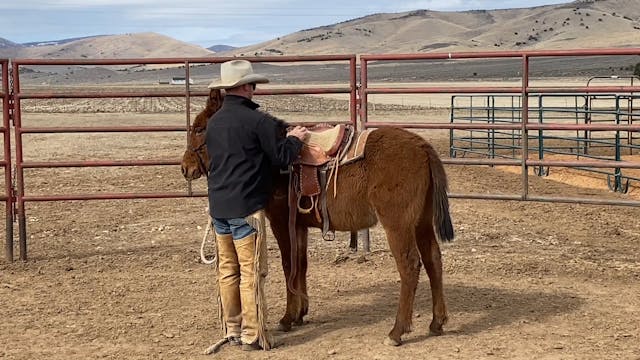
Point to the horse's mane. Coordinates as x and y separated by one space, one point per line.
214 102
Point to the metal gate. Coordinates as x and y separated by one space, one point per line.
358 106
22 197
521 125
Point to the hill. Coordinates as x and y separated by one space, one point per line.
139 45
59 42
9 48
580 24
220 48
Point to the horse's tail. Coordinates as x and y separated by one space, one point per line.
441 216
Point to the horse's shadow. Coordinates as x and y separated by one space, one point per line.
497 306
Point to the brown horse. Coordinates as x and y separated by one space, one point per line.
400 182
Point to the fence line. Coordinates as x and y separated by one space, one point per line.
358 109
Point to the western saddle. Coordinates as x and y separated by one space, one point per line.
327 148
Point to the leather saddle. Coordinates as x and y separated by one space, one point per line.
327 148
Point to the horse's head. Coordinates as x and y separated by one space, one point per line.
195 161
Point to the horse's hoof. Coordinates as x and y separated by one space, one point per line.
435 328
283 328
389 341
300 322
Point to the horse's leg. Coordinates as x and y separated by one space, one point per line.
302 233
402 245
280 230
297 305
430 253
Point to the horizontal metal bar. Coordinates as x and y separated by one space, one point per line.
217 59
592 127
499 89
577 200
512 126
95 95
553 163
499 162
551 199
583 89
84 129
484 153
310 91
502 54
375 124
96 163
442 90
141 94
111 196
593 164
486 196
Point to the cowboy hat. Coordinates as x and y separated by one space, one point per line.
235 73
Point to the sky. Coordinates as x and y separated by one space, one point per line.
206 22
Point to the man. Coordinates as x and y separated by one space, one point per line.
244 145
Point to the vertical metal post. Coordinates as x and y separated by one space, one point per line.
355 103
353 242
540 135
363 94
525 120
513 132
471 142
631 121
353 94
187 87
7 158
17 122
617 171
363 234
451 117
491 114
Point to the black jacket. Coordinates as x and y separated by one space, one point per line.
244 146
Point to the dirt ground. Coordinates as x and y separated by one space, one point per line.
123 279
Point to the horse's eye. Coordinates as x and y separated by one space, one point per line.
199 131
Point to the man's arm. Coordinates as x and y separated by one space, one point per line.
282 148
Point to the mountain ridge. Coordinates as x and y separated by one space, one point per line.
579 24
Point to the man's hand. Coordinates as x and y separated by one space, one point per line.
300 132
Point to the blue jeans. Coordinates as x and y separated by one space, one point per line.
237 227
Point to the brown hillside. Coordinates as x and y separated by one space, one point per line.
139 45
579 24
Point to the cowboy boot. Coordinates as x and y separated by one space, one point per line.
253 271
229 289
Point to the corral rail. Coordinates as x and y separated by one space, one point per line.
358 110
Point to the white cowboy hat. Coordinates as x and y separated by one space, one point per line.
235 73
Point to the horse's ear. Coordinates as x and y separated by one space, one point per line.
215 99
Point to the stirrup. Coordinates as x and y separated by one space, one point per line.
306 210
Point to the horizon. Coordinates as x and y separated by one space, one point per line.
199 24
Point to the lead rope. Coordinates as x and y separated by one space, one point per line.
218 345
203 258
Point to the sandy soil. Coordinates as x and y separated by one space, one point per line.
123 279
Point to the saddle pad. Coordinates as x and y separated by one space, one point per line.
328 140
356 149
